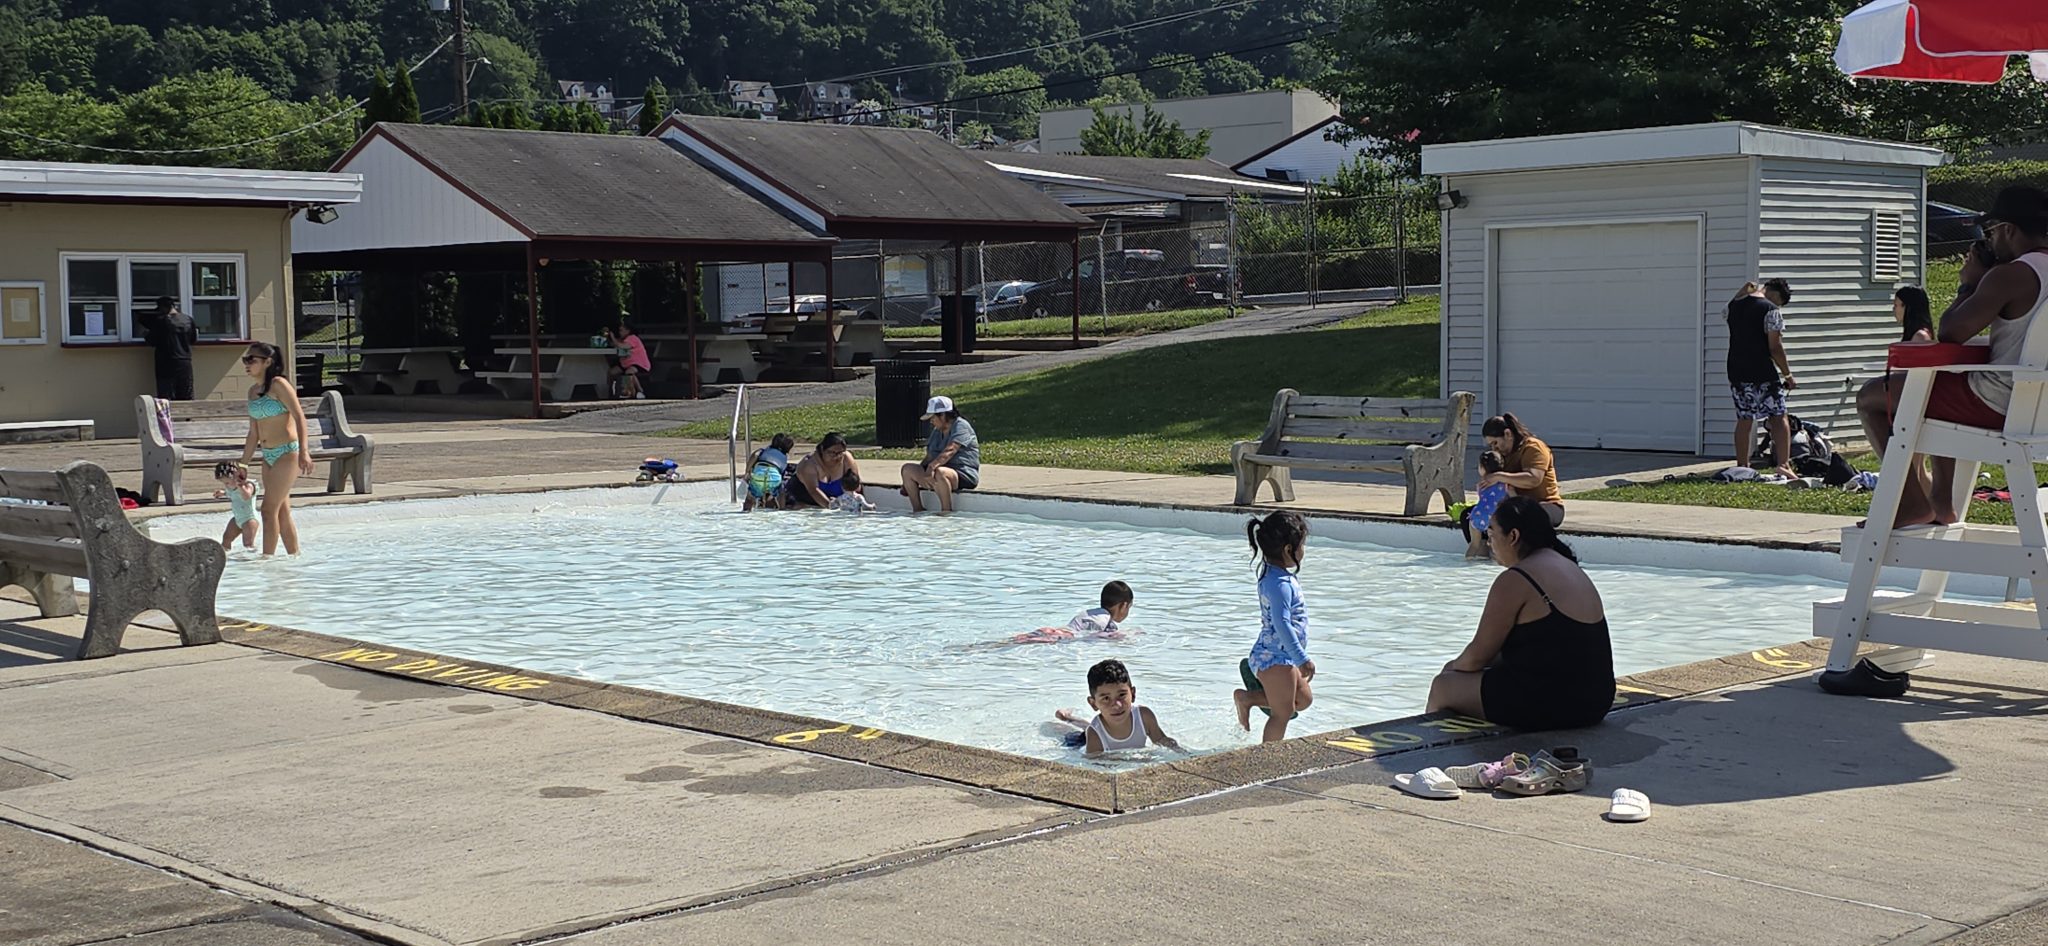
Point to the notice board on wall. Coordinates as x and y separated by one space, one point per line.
21 313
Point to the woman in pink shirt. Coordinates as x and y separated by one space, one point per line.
633 362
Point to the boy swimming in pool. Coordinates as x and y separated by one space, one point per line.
1119 723
1101 623
1480 514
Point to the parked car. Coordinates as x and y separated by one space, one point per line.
992 300
1950 230
1136 281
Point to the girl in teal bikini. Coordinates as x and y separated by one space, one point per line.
277 428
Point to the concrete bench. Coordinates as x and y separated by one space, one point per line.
204 433
1424 439
57 526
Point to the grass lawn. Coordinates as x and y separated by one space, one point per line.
1168 410
1776 497
1062 326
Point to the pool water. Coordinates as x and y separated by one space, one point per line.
896 622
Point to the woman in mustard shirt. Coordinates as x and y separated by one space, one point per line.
1529 469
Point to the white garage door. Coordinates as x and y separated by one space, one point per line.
1596 334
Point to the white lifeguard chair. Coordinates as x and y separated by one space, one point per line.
1925 618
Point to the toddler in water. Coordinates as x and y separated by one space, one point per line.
1480 514
850 498
1277 674
1119 723
766 471
1099 623
241 494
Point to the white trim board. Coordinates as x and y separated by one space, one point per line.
731 170
104 181
1673 143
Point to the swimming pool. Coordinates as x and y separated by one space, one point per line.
889 620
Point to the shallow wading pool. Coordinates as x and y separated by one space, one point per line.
895 622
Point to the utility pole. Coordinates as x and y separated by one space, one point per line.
461 61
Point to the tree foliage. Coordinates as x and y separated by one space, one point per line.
1119 133
653 106
1462 70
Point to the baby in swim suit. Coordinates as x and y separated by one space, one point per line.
850 498
1480 515
241 495
766 472
1119 723
1099 623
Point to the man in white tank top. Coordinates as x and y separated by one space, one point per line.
2005 298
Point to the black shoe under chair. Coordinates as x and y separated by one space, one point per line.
1864 679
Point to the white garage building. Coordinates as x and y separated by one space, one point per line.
1585 275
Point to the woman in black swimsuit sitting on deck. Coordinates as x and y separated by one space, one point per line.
1541 658
815 481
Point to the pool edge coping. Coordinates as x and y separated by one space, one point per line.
987 769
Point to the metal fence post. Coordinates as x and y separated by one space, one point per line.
1309 232
1102 274
1400 246
1230 257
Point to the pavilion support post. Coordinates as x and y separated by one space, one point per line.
690 320
533 323
1076 272
960 315
831 337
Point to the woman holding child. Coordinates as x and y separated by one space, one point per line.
1541 658
1527 468
819 479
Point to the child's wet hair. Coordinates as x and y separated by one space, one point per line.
228 468
1492 462
782 442
850 481
1107 672
1116 593
1276 536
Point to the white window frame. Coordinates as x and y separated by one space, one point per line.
125 304
42 311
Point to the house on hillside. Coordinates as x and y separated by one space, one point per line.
824 100
596 94
757 98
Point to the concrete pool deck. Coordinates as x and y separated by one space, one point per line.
270 786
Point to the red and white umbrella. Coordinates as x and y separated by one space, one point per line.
1943 40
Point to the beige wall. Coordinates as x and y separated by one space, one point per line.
1240 125
53 381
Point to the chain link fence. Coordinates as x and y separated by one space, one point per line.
1248 252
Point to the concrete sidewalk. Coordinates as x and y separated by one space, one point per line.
417 813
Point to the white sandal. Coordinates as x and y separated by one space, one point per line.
1429 783
1628 806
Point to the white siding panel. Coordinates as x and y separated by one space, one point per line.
1719 189
1815 232
404 204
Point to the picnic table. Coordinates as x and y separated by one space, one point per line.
562 372
419 370
731 351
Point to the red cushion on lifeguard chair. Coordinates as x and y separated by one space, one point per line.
1935 354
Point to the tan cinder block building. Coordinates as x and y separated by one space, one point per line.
86 250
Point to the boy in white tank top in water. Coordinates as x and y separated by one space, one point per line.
1119 723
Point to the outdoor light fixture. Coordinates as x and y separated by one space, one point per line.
1450 200
321 214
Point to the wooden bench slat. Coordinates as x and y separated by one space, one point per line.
1345 429
47 522
45 555
1367 405
31 484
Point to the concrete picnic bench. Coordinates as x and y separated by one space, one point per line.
69 524
1421 438
425 370
562 372
203 433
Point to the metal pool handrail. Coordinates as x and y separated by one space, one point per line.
732 439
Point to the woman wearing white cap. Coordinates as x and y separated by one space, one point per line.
952 458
